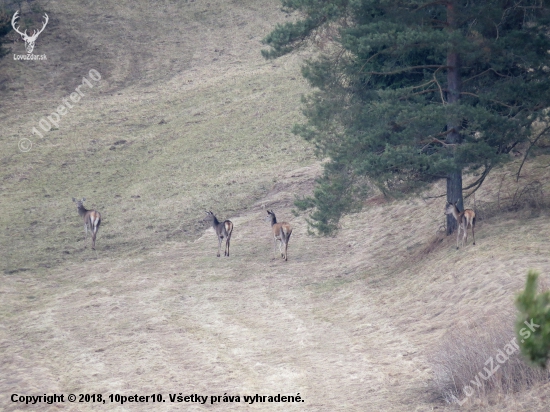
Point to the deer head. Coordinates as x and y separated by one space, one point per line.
29 40
270 216
452 209
79 203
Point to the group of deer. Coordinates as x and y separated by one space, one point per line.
281 230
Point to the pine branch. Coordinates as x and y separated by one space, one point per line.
419 93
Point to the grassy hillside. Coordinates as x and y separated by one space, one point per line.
189 117
150 147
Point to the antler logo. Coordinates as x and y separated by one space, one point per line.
29 40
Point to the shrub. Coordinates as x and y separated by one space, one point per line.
477 361
535 310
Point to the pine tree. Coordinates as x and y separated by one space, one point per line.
413 91
533 324
5 27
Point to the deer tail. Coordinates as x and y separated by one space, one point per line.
228 226
96 221
286 231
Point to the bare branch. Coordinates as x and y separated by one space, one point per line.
529 149
418 93
436 140
479 181
482 73
388 50
427 66
433 3
434 197
439 86
440 90
469 94
422 85
491 100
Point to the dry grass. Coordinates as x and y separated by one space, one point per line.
350 322
480 362
529 197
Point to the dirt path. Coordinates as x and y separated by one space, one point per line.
182 320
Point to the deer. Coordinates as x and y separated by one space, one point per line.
281 233
222 229
92 219
464 219
29 40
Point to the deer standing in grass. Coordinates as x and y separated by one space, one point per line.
92 219
223 229
464 220
281 233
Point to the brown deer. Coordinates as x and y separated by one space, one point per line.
92 219
222 229
464 220
281 233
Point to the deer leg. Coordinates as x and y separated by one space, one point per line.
93 229
286 249
227 245
219 245
281 247
464 235
473 234
457 236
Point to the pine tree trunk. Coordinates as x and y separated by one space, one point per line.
454 194
454 179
